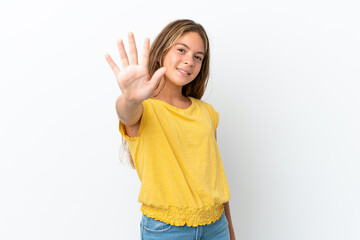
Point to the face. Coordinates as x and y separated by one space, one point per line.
184 59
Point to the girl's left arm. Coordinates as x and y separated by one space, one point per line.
227 214
228 217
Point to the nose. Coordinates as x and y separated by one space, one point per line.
188 60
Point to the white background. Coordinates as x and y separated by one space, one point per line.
284 78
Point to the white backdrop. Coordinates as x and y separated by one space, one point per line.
284 77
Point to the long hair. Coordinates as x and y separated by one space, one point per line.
162 43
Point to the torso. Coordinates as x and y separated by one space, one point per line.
133 130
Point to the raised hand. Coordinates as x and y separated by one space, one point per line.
134 80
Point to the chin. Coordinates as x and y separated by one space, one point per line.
179 82
184 83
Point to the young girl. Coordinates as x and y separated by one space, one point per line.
171 134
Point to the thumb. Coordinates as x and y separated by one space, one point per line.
157 76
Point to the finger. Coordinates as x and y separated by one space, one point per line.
157 76
112 64
145 53
132 50
123 55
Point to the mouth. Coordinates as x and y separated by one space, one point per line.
183 72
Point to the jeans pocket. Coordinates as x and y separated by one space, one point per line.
155 226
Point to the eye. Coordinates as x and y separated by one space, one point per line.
198 58
181 50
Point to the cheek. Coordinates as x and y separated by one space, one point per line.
171 59
176 59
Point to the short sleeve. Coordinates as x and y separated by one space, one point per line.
123 133
214 115
122 126
216 118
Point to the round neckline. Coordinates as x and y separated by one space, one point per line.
169 105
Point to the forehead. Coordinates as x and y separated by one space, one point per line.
193 40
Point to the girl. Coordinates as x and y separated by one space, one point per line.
171 134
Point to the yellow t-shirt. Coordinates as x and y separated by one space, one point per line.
178 163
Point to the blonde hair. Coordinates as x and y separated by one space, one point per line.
162 43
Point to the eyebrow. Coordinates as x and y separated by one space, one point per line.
189 48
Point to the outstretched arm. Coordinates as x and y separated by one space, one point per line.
134 81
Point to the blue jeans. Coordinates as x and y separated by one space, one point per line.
151 229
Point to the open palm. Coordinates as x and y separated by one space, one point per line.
134 80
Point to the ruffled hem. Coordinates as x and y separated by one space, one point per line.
180 217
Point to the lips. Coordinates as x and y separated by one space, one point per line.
186 73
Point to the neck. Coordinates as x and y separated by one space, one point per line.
169 92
